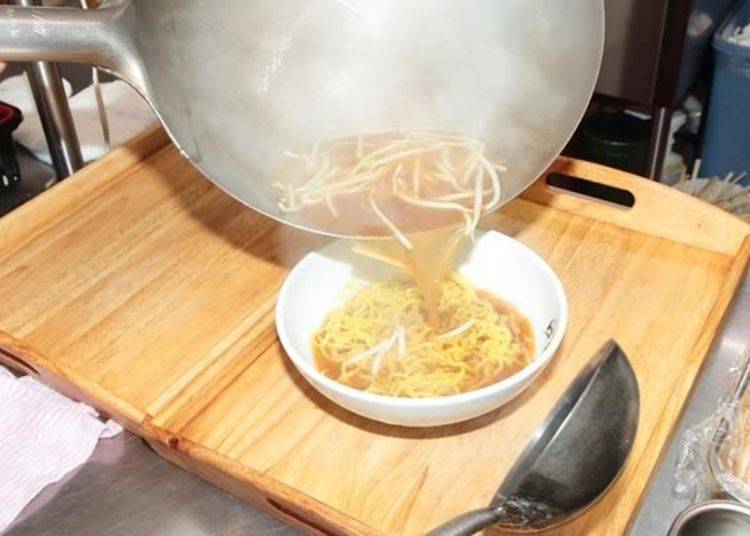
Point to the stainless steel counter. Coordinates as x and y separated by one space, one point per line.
125 489
660 507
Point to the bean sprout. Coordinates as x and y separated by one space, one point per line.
422 168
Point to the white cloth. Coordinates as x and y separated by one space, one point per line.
127 112
43 436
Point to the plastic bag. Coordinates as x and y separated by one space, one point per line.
715 455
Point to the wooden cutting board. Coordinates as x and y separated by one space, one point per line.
140 288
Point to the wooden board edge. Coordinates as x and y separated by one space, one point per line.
695 363
21 357
44 210
659 210
265 492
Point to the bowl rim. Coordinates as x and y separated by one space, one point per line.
507 384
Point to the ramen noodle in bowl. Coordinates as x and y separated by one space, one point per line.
430 332
380 340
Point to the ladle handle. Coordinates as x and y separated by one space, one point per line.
70 35
469 523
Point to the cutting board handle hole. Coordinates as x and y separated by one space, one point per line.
288 512
592 190
16 362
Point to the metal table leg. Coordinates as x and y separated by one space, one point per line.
54 112
659 138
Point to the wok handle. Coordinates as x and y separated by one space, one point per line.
70 35
469 523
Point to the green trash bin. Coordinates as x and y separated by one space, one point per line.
618 140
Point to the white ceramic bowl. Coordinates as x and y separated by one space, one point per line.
495 263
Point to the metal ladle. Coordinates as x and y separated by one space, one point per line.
237 82
574 457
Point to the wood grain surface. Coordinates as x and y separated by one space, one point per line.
139 287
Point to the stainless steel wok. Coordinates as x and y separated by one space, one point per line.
236 82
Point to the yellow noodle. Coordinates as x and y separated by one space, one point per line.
490 348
